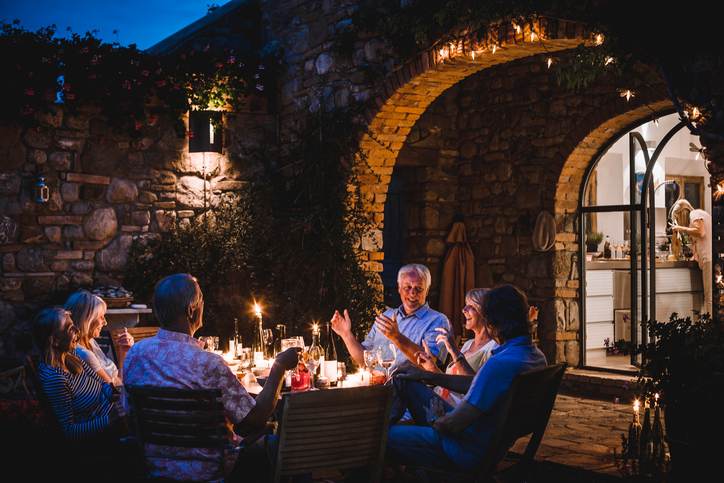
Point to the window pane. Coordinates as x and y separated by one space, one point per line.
692 194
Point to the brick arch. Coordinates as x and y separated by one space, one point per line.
407 93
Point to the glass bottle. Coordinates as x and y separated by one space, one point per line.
315 353
645 443
258 345
330 357
281 335
236 349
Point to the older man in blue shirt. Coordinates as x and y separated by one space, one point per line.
407 328
462 435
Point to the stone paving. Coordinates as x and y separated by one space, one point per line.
583 433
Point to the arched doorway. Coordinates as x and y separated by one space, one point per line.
632 253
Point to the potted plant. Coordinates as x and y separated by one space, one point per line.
593 239
684 363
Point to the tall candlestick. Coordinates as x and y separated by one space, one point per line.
259 339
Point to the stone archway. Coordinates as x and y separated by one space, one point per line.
408 92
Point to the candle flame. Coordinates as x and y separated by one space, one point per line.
609 60
495 47
549 62
533 36
695 113
636 405
516 27
627 93
598 39
257 309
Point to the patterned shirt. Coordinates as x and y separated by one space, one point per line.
81 402
173 359
419 325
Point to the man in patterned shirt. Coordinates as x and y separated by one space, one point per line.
174 359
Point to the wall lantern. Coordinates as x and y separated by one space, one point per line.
205 133
42 191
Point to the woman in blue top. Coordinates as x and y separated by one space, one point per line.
81 401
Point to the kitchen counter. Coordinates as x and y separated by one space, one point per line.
619 264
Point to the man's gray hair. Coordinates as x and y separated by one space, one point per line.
420 270
173 296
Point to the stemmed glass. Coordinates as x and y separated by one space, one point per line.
387 358
370 358
268 336
245 356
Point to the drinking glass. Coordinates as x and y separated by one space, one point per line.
289 343
246 357
387 358
341 371
370 357
211 342
268 342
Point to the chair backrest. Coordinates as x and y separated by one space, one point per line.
185 418
138 333
333 429
31 369
524 410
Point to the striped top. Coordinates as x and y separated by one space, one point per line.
81 402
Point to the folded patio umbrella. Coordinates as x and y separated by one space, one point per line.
458 276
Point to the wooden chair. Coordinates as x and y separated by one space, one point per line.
525 410
334 429
184 418
138 333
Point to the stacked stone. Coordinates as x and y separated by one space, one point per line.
105 189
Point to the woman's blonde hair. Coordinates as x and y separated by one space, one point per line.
476 297
84 308
46 332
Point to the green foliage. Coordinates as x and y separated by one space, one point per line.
290 242
216 249
684 361
315 223
127 84
594 237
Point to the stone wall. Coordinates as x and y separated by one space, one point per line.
105 189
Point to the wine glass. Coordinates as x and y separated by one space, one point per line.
246 358
387 358
370 357
268 336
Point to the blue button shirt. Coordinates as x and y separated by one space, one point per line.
417 326
490 384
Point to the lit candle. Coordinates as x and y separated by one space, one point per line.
656 400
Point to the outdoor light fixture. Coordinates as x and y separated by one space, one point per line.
205 133
42 191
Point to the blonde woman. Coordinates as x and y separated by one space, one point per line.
467 360
80 400
88 312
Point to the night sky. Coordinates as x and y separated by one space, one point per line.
143 22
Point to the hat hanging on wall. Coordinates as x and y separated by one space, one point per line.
544 233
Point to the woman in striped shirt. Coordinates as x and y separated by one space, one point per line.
80 400
88 313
